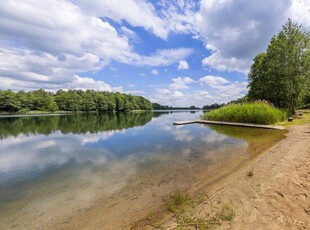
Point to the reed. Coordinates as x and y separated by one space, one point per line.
250 112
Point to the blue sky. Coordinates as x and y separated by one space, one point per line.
180 52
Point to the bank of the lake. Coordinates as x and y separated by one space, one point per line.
271 192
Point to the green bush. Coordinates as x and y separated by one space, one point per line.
251 112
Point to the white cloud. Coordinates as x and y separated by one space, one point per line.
300 12
180 16
218 90
177 98
183 65
130 34
60 28
236 31
159 58
45 46
135 12
181 82
224 90
169 94
218 62
154 72
213 81
85 83
43 70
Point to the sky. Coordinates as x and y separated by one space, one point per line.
177 52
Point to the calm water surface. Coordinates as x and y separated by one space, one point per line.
66 171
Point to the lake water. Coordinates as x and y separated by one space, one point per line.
64 172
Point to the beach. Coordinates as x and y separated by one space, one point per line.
270 193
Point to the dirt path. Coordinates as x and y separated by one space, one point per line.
276 196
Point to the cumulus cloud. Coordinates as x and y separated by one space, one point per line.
300 12
85 83
136 12
218 90
224 90
60 28
218 62
154 72
159 58
42 70
46 46
180 16
183 65
178 98
171 95
213 81
180 82
236 31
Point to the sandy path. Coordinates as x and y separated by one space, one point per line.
277 196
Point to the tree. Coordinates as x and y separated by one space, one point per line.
9 102
281 75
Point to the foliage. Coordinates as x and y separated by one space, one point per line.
282 74
255 112
72 100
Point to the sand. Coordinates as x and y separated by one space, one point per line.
277 196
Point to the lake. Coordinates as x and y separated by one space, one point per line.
107 171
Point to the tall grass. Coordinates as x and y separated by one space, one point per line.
251 112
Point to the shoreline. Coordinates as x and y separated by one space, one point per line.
275 196
239 124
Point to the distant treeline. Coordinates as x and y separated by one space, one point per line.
157 106
213 106
71 100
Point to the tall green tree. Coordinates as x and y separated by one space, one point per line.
281 75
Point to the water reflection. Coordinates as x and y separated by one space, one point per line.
258 139
78 162
81 123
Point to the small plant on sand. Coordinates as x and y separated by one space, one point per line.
226 213
153 218
176 200
250 173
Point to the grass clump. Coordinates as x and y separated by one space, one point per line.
250 112
225 214
250 173
176 200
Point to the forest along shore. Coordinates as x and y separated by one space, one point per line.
273 192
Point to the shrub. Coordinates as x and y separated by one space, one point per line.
252 112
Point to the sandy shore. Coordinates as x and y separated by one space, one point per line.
276 196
